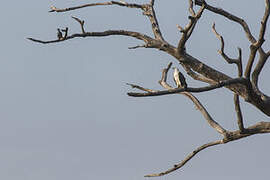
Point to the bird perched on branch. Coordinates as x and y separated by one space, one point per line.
179 78
59 34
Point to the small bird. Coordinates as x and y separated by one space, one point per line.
179 78
59 34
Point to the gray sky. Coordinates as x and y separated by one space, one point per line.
62 117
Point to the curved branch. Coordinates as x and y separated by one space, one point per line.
81 22
259 128
229 60
190 156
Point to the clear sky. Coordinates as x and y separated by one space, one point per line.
64 110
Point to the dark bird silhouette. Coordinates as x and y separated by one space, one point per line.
59 34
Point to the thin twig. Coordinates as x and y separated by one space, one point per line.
140 87
138 46
129 5
221 51
81 22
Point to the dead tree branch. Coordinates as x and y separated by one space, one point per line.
189 157
197 103
262 127
237 61
256 45
81 22
187 31
194 90
259 128
54 9
205 72
148 40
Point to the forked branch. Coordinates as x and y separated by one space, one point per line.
187 31
81 22
262 127
256 45
259 128
197 103
229 60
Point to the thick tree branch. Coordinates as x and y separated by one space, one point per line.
261 101
258 68
238 113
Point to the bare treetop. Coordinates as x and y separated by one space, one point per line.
245 85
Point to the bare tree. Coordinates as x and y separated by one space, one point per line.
245 85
